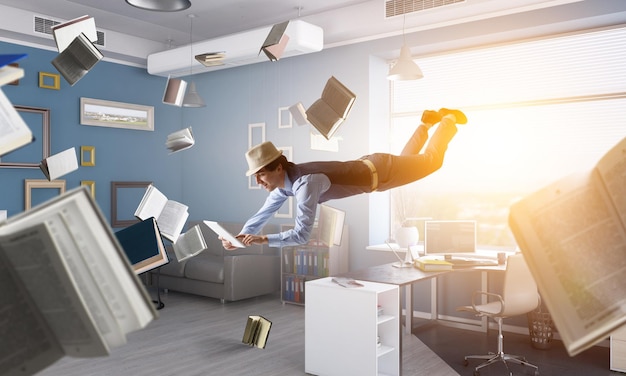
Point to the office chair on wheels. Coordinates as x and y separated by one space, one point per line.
519 296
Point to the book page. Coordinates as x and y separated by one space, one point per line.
27 343
612 169
152 203
13 130
338 97
172 219
98 247
34 255
575 246
61 163
189 244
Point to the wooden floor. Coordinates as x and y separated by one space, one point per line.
200 336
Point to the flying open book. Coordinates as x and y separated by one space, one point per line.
59 164
14 133
573 236
143 245
221 231
68 286
64 33
189 244
180 140
328 112
77 59
170 215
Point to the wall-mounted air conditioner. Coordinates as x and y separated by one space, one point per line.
238 49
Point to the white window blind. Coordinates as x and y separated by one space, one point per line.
538 110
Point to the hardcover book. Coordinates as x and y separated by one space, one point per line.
143 245
59 164
431 265
331 110
257 331
170 215
77 59
180 140
276 41
14 133
573 236
189 244
64 33
70 289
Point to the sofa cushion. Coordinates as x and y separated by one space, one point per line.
208 268
173 268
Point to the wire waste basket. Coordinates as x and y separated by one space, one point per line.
540 327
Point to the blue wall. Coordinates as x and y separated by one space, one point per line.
210 177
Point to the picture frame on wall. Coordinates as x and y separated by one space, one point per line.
125 198
103 113
49 80
91 186
37 191
31 155
87 156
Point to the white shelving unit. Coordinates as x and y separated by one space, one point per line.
618 350
343 325
308 262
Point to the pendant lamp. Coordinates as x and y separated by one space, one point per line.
192 98
405 68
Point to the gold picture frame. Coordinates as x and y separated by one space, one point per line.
45 78
32 184
88 156
91 185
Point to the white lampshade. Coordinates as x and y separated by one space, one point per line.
192 98
405 68
161 5
407 236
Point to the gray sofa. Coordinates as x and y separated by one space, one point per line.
221 274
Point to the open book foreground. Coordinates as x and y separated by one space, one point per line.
68 286
573 236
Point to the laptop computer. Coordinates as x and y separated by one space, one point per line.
221 231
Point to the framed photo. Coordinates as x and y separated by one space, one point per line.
285 119
37 191
49 80
101 113
256 135
88 156
29 156
125 198
91 185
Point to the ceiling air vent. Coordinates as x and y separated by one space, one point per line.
44 26
399 7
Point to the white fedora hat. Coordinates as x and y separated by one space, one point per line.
260 156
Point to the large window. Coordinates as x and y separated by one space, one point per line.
538 110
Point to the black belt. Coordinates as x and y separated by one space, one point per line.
374 173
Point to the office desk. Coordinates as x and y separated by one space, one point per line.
405 277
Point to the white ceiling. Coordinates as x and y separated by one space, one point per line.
135 33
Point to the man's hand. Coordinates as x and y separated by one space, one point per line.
227 244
